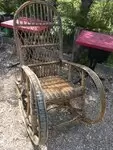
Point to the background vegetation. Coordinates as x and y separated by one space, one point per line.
98 17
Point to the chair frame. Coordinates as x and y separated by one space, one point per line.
31 93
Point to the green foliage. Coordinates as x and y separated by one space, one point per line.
110 60
99 18
20 2
68 10
7 6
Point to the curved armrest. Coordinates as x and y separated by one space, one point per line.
33 78
99 86
39 101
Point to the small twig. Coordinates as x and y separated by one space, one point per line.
14 65
67 122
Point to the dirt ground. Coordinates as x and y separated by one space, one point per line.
13 135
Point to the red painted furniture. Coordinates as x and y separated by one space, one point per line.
25 21
95 40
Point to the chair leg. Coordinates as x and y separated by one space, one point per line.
92 63
1 40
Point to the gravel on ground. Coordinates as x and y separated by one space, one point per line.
13 135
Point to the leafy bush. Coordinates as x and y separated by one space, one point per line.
68 10
20 2
100 16
7 7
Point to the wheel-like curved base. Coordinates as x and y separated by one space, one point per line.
32 105
85 73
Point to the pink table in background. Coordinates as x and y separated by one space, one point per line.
95 40
9 24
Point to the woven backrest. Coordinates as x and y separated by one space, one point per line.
38 32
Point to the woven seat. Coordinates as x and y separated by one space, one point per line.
56 88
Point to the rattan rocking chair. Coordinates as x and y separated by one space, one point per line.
48 80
